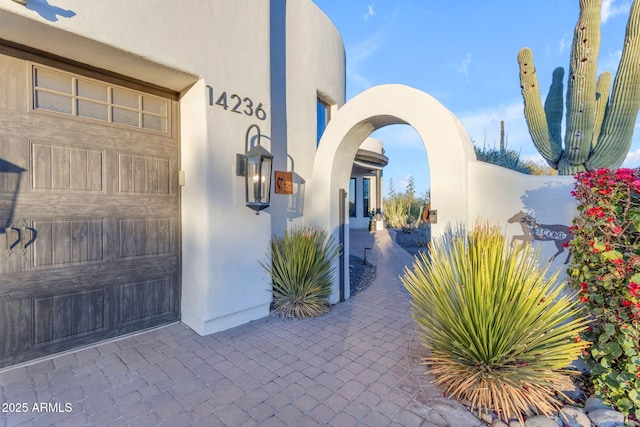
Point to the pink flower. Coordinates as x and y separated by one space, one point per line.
634 288
626 303
595 211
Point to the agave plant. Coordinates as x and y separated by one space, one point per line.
501 332
300 266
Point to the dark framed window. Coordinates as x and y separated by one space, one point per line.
323 116
366 190
352 197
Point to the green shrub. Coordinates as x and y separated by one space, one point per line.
501 334
605 268
300 266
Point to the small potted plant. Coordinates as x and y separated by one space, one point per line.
372 220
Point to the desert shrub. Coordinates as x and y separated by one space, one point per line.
506 158
511 159
403 211
300 266
500 330
605 268
396 211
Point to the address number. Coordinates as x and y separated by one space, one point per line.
237 104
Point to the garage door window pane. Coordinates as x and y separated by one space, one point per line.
125 98
92 90
53 102
154 105
125 117
50 80
93 110
154 122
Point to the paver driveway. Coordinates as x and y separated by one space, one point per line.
356 365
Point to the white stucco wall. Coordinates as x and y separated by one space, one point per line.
496 194
315 66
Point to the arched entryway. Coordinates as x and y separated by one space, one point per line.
446 141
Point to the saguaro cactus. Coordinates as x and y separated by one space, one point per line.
598 128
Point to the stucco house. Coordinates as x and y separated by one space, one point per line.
126 198
121 124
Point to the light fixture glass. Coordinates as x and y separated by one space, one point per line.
256 166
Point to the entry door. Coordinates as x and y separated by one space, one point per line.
89 235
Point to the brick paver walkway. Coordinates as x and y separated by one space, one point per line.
357 365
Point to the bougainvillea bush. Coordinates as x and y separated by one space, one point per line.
605 269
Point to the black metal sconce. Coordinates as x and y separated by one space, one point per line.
255 165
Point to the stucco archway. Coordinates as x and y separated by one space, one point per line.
446 141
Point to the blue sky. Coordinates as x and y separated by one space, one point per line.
463 53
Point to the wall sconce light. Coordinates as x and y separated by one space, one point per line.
255 165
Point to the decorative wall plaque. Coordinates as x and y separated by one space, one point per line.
284 182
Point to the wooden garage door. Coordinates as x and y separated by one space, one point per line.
89 219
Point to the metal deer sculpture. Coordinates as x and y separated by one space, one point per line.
557 233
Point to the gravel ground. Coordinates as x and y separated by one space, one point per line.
361 275
413 242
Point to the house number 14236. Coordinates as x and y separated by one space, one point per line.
237 104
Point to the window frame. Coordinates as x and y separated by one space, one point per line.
323 104
366 196
353 199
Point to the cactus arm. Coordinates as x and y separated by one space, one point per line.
620 116
553 107
533 111
581 85
603 88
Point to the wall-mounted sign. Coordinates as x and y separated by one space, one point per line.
237 104
284 182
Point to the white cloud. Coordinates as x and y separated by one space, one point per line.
632 160
535 158
463 68
357 55
369 13
610 62
610 9
562 44
483 127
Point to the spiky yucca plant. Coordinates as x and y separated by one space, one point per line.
300 266
500 332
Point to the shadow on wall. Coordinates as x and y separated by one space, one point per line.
47 11
280 206
546 217
295 208
10 177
